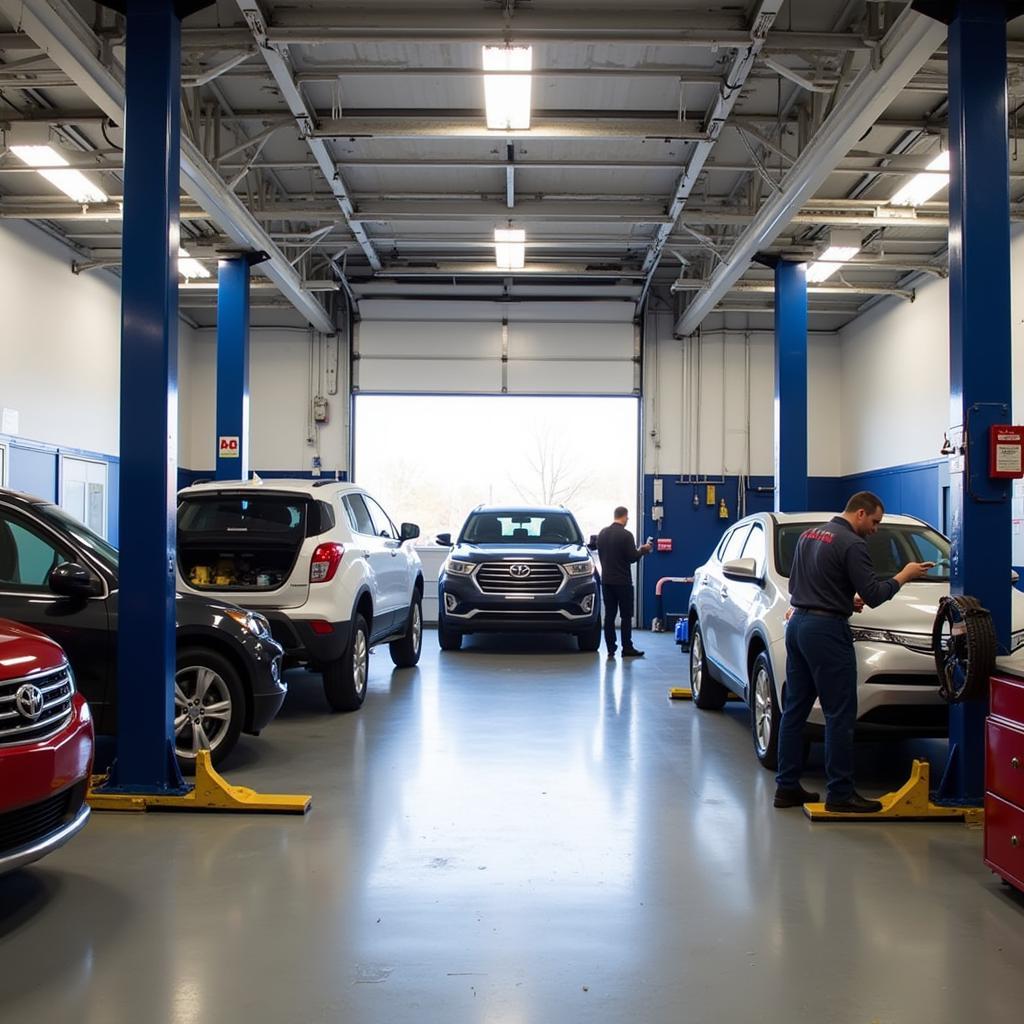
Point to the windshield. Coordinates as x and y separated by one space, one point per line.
520 528
92 542
890 549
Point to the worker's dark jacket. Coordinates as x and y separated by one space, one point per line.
831 564
617 551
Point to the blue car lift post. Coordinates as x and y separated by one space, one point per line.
231 459
145 771
980 369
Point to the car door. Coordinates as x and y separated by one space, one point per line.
399 582
714 592
741 603
377 556
396 581
28 551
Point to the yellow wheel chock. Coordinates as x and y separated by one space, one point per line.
910 802
211 792
685 693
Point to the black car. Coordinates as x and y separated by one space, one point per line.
519 570
61 578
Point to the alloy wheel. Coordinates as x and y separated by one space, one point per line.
696 664
202 710
360 657
762 711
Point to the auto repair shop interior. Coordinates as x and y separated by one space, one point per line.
324 370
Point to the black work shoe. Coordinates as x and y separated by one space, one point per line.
795 797
611 654
631 652
854 804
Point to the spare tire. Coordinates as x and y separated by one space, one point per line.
964 645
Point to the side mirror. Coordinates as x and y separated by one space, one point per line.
592 543
408 531
445 539
69 579
743 570
1014 577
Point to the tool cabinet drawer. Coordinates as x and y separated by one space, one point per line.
1007 699
1004 761
1004 839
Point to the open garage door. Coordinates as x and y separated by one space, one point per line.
522 348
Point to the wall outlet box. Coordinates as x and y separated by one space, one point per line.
320 410
710 496
657 513
659 489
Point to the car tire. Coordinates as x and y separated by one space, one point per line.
708 693
345 678
207 693
765 716
406 652
447 639
591 640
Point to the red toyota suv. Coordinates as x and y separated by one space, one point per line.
46 745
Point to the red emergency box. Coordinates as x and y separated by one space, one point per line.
1006 452
664 544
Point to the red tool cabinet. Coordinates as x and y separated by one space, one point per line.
1004 780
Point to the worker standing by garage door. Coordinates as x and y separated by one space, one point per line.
618 551
832 577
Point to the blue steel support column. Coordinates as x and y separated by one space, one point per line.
233 367
790 387
149 402
980 347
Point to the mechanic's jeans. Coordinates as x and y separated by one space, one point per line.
820 663
618 598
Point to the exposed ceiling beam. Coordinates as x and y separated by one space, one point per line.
909 43
277 60
433 126
57 28
721 107
684 284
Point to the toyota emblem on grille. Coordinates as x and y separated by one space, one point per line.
29 701
520 570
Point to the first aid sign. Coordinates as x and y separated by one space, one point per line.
228 447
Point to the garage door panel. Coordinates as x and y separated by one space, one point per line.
560 377
459 350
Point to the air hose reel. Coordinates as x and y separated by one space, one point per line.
964 645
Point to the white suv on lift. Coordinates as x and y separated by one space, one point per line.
320 559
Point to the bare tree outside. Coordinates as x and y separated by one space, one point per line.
554 476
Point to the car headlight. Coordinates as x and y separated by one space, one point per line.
580 568
919 642
457 568
251 622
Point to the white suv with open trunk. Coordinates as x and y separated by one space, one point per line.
320 559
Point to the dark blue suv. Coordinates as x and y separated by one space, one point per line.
519 570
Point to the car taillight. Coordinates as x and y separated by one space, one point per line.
324 565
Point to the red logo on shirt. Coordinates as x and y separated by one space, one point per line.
823 535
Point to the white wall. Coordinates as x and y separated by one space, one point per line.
707 383
895 375
279 402
61 339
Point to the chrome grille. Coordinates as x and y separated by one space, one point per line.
543 578
57 687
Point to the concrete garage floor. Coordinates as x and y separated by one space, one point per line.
511 836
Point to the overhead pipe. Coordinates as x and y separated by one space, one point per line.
57 28
911 41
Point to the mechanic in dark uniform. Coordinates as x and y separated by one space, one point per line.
618 551
832 577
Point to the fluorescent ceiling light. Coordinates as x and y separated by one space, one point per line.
509 248
842 247
923 186
188 267
507 96
71 182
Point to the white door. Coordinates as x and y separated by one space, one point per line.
396 581
739 609
83 491
377 555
